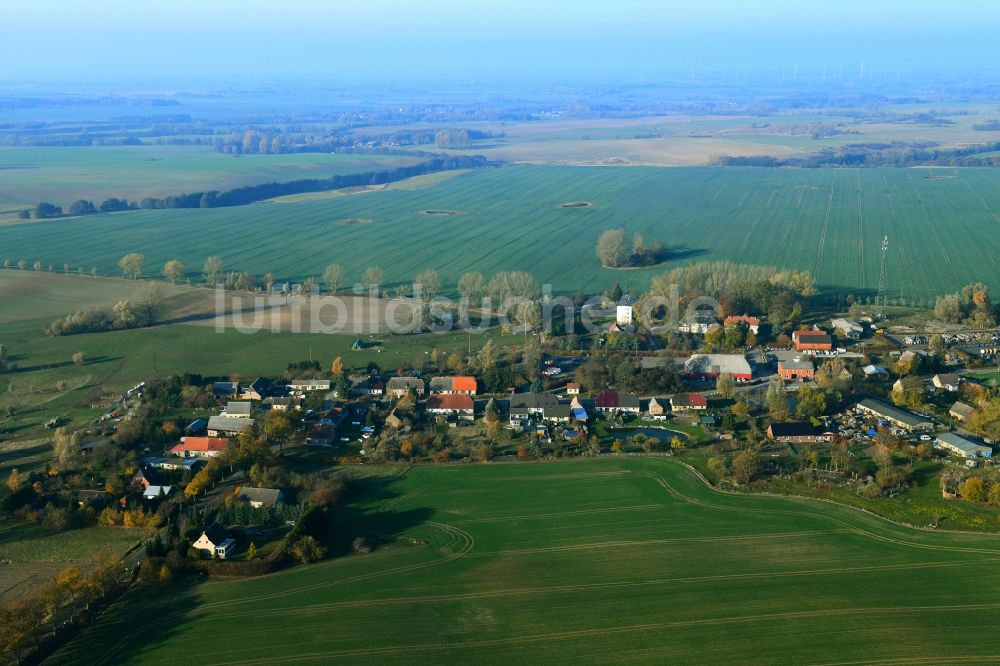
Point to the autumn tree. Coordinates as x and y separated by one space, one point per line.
173 270
79 358
973 489
372 278
471 286
131 265
430 284
725 384
611 248
745 466
13 480
334 277
212 270
66 448
337 367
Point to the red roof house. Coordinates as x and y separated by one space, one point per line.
201 447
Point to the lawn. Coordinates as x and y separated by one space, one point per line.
942 232
607 560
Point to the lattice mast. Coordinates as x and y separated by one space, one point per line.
881 300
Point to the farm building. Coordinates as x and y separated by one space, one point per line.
961 411
612 402
225 389
201 447
157 492
225 426
398 387
898 417
280 404
796 433
572 389
701 321
302 385
459 405
682 402
196 427
961 446
875 372
710 366
796 369
753 323
947 381
812 341
847 328
459 385
238 410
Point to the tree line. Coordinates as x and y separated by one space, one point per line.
893 154
252 193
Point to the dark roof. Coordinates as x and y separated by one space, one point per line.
405 384
611 399
216 533
269 496
796 429
532 400
450 401
689 400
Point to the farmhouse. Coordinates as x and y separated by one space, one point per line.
812 341
796 433
304 385
459 405
214 542
227 426
656 410
572 389
946 381
847 328
796 369
961 411
280 404
616 403
753 323
398 387
682 402
710 366
449 385
961 446
258 497
201 447
542 405
238 410
700 321
898 417
258 389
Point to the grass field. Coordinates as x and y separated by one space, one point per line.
943 232
606 561
62 175
117 360
31 556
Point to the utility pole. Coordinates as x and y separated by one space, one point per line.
880 300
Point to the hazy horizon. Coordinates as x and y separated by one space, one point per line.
449 41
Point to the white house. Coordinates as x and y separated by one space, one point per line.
214 542
625 311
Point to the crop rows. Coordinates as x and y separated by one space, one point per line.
942 226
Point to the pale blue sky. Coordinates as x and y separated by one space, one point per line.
108 40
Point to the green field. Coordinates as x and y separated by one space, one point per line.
62 175
943 231
604 561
